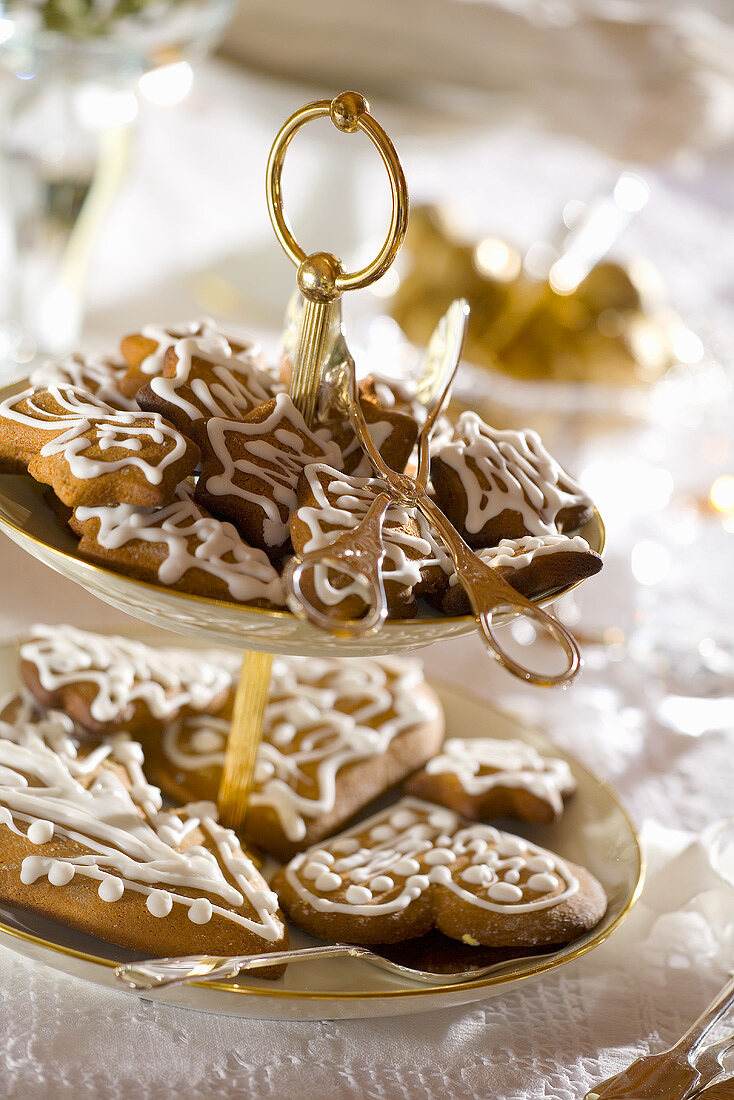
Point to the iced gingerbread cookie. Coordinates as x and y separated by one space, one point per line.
100 375
203 377
534 565
497 485
487 777
34 417
393 430
336 734
180 546
331 503
107 684
145 351
84 841
415 867
251 469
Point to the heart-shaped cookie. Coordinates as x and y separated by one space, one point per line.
416 866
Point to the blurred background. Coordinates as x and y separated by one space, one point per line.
571 170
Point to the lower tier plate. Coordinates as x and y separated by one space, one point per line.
594 831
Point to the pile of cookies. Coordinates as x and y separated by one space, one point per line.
100 726
185 463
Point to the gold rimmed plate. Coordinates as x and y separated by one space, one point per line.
594 831
28 519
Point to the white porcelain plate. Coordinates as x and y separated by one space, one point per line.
595 831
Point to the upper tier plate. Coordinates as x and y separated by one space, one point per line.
28 519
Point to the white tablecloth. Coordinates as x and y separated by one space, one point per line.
61 1038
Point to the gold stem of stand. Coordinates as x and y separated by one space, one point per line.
313 337
244 738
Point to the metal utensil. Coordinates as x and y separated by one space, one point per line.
671 1075
159 973
489 594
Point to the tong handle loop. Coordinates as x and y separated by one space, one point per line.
322 278
548 624
358 554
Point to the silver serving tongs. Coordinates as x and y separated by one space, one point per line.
359 553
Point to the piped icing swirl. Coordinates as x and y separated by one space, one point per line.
98 374
516 554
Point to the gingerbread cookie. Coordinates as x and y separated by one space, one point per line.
107 684
331 503
145 351
336 734
100 375
251 469
84 842
393 430
415 867
535 566
180 546
203 377
487 777
34 417
497 485
123 458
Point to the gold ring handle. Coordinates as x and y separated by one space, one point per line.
349 112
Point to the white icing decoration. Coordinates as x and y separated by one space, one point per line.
40 832
200 911
542 882
483 763
111 889
192 541
321 714
60 872
241 381
358 894
159 903
100 375
517 554
274 463
125 671
508 471
405 855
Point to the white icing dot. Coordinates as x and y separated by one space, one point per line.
358 895
540 863
441 819
418 882
381 883
346 845
441 875
32 868
406 867
439 855
60 873
505 891
205 741
477 845
512 876
40 832
511 846
443 841
328 881
542 882
477 874
159 903
402 819
320 856
381 832
201 911
111 888
360 874
313 870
